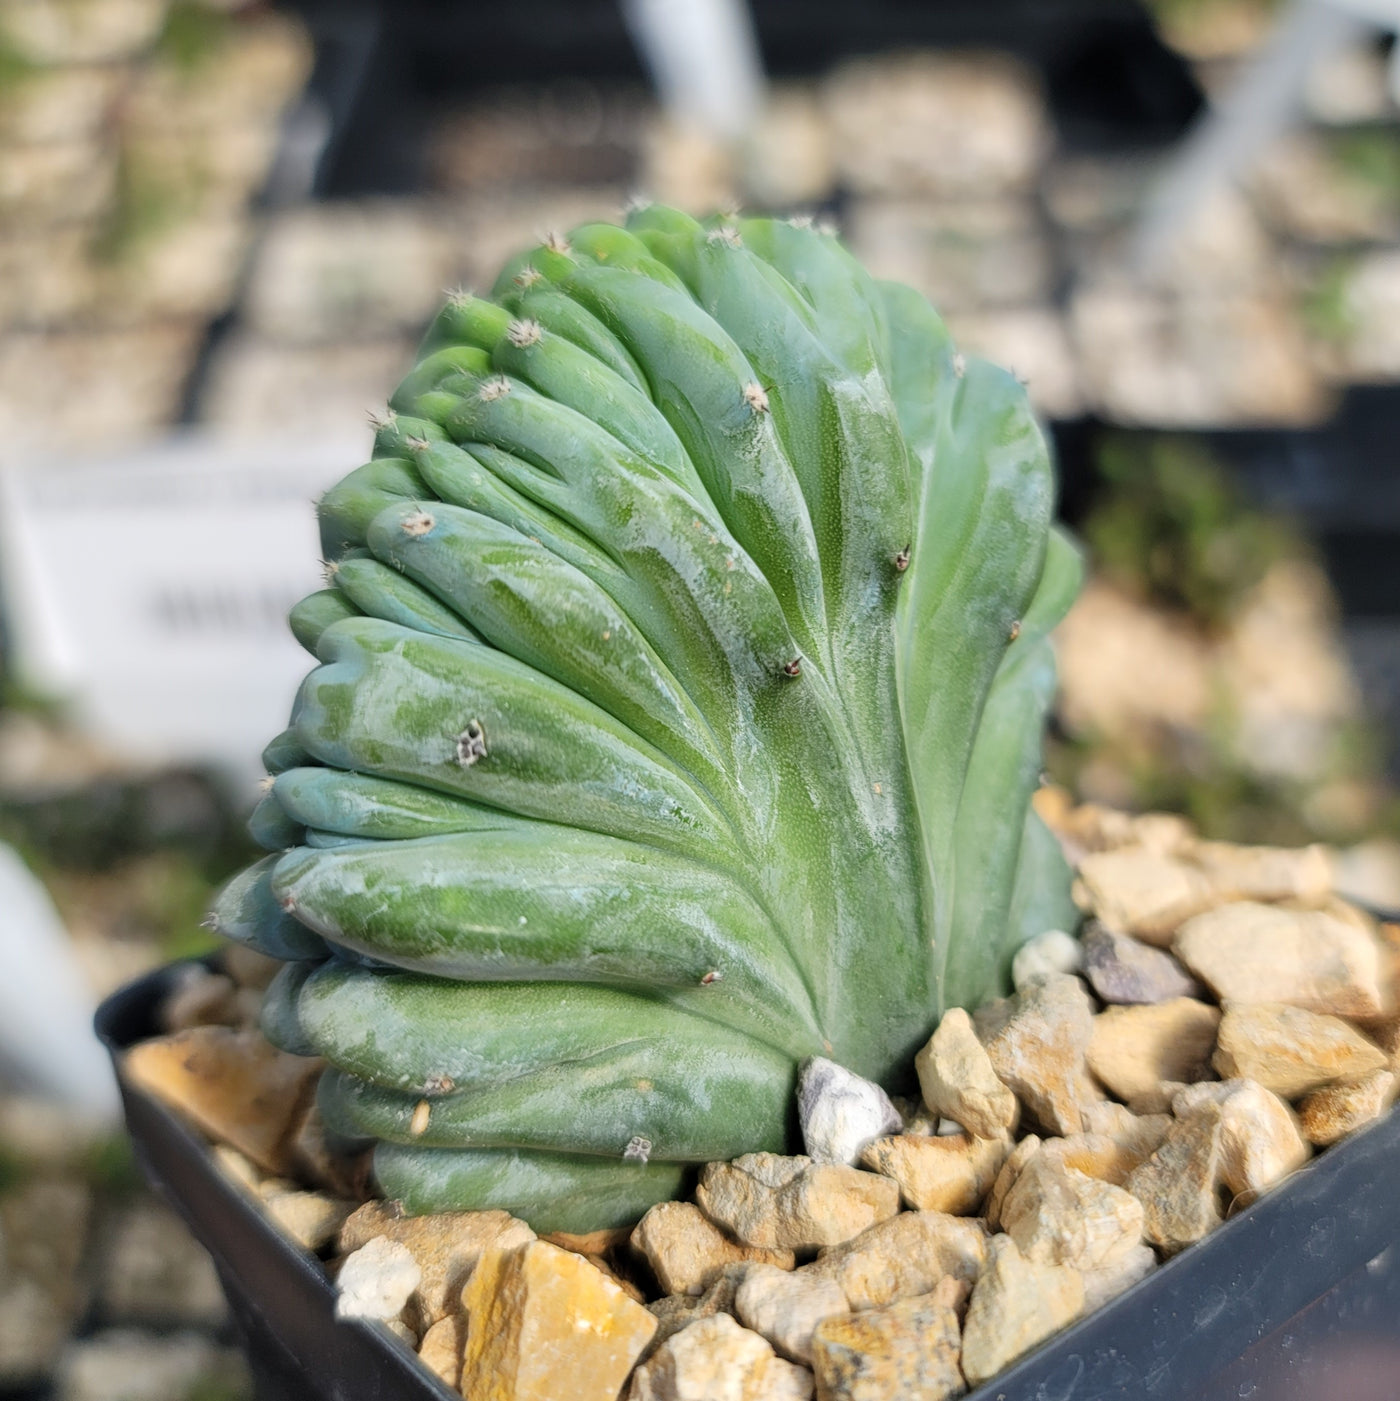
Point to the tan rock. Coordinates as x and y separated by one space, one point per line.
1037 1042
1178 1185
950 1172
1289 1050
676 1311
543 1323
1260 1139
604 1242
1334 1111
376 1281
903 1256
610 1250
1388 937
1135 1138
623 1276
236 1167
323 1162
1015 1305
1352 914
1092 827
1157 1101
958 1081
1265 872
686 1250
249 968
1111 1119
909 1349
1110 1281
785 1308
714 1359
441 1349
918 1120
402 1332
791 1203
1011 1169
1058 1215
446 1247
1136 890
1133 1049
199 997
1386 1035
236 1086
1095 1155
310 1218
1249 952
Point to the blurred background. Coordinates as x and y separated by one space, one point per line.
223 226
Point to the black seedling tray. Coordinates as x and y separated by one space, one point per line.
1295 1299
384 70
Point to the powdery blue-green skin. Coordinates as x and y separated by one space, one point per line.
683 669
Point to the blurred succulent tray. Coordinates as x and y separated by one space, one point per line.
380 71
1338 479
1297 1297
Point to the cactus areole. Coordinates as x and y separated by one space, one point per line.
681 678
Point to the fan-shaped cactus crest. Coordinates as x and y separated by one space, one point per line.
682 671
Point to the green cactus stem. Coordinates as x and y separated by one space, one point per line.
683 664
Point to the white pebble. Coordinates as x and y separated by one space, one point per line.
840 1113
376 1280
1051 952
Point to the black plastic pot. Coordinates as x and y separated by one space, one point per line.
1295 1299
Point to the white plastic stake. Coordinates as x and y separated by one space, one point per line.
47 1044
704 60
1262 104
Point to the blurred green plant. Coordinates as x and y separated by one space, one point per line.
1369 156
151 194
13 1170
1326 305
14 65
194 35
1176 16
1171 528
145 203
109 1166
137 858
220 1386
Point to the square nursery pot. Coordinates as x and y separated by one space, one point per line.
1295 1299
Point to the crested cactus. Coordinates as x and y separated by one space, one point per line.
682 670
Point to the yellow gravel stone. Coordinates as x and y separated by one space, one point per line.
1334 1111
909 1349
542 1323
688 1251
952 1173
1291 1051
1134 1049
235 1085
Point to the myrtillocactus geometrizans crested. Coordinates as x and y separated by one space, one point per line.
683 668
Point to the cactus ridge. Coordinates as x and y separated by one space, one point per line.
681 676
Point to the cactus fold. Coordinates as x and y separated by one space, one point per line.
682 672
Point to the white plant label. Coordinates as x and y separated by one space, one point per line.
151 591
